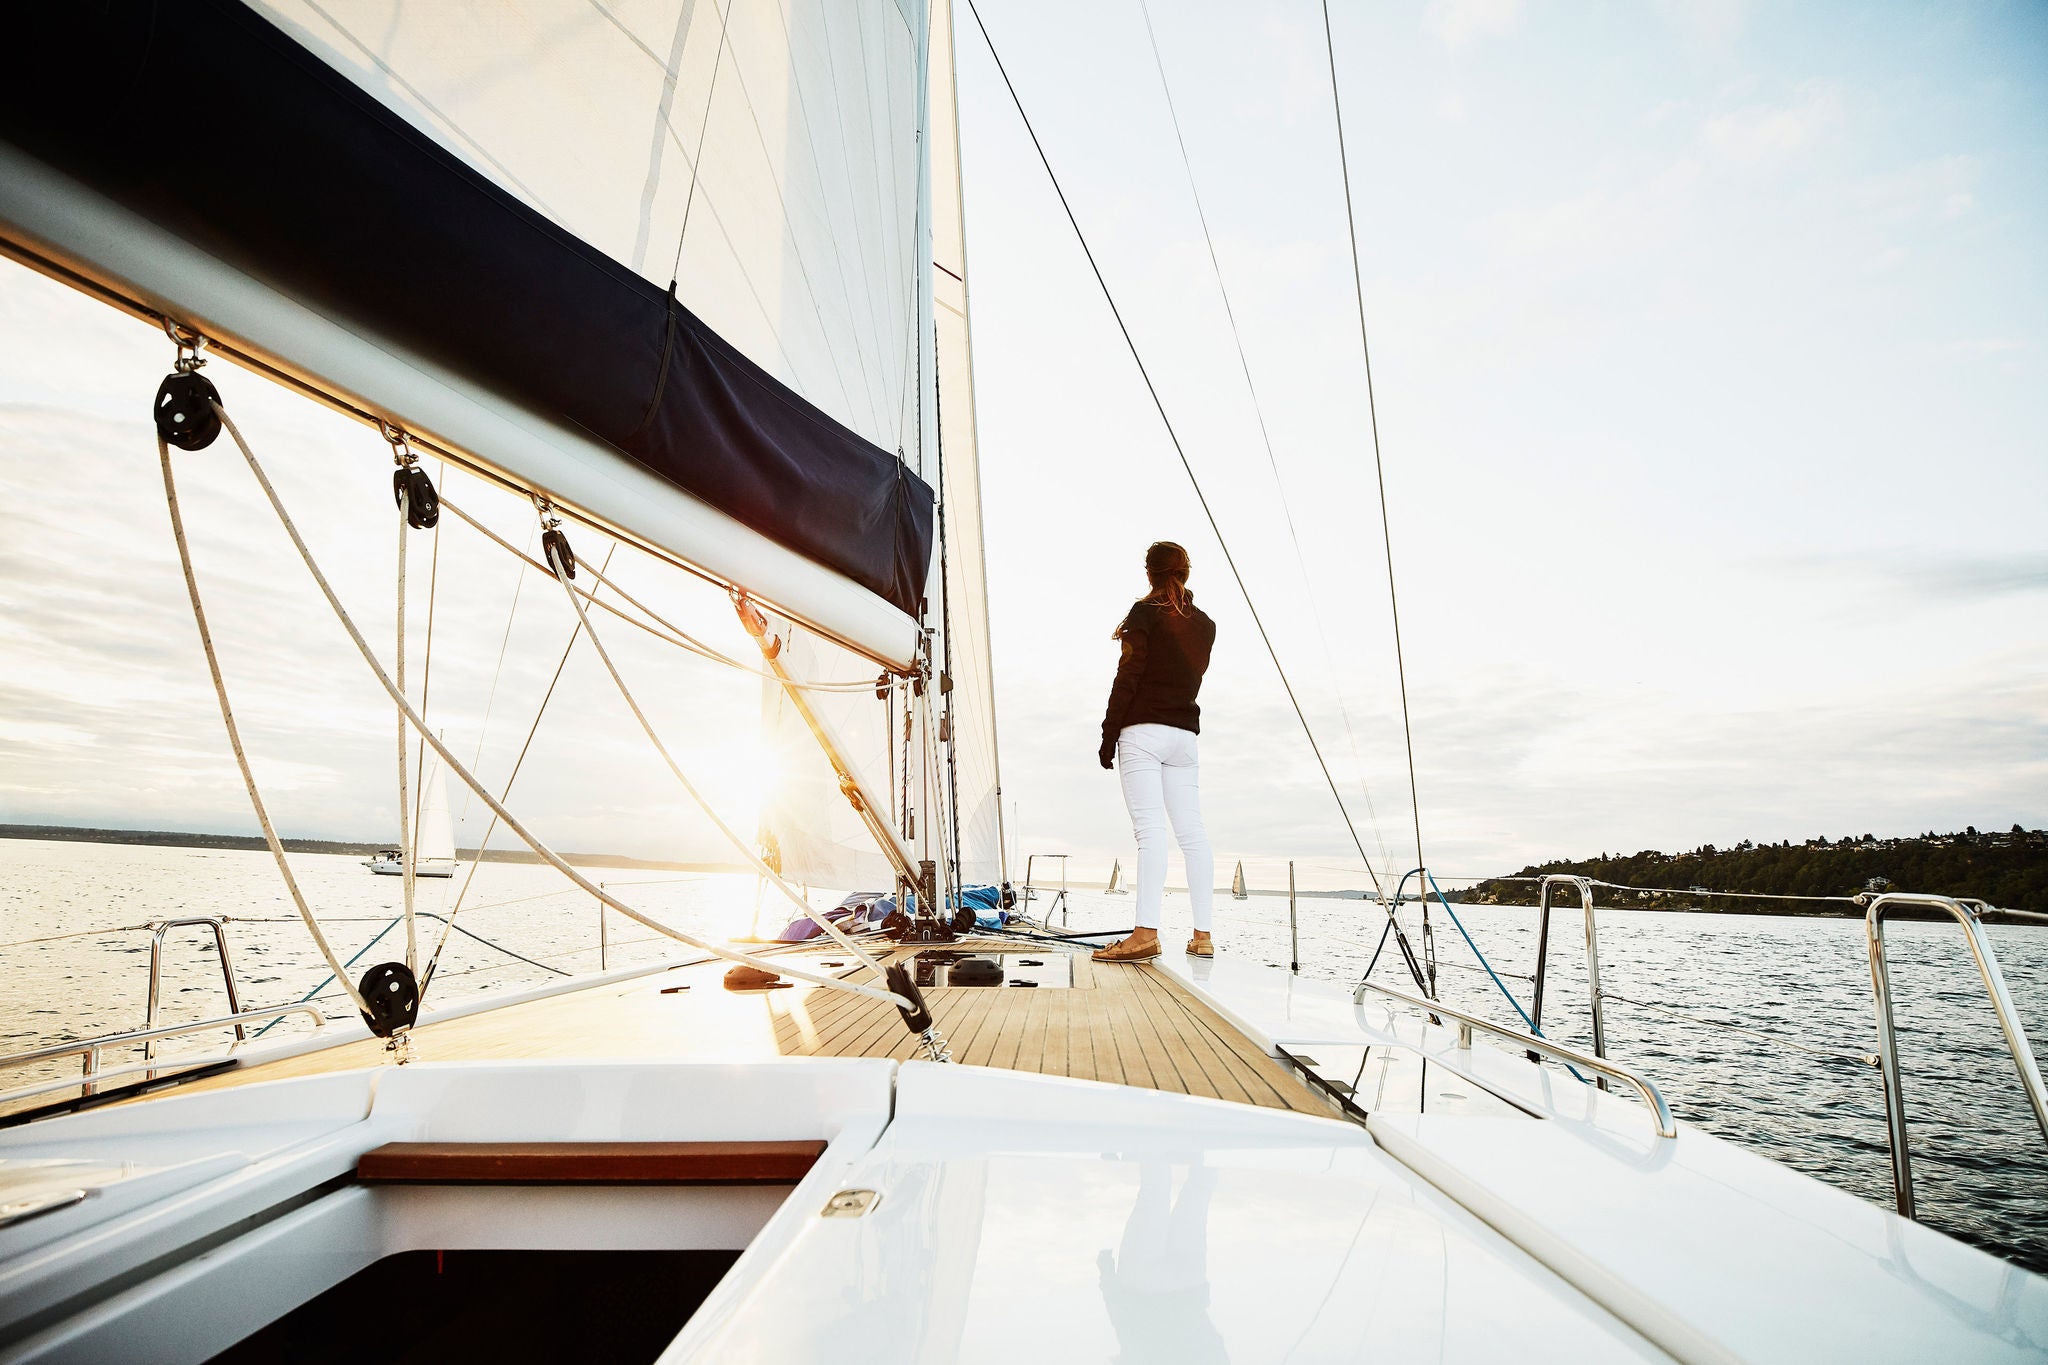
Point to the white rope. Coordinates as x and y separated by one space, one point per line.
408 870
504 794
227 716
761 868
455 765
666 632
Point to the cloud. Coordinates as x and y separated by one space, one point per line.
1989 346
1946 580
1711 23
1760 134
1458 22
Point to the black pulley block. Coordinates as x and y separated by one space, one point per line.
393 998
554 546
918 1018
411 488
185 415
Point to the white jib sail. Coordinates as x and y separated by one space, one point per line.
805 823
808 831
978 781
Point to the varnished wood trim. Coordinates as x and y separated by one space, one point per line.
589 1163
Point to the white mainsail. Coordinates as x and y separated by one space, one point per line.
764 157
725 210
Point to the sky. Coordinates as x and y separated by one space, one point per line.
1712 393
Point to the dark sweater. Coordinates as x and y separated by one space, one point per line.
1165 654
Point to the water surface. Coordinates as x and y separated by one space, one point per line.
1799 1093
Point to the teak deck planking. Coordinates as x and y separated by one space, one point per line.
1120 1023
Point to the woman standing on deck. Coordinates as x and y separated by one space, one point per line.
1149 735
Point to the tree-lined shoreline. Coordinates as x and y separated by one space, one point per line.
2007 869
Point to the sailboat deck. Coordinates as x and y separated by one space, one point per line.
1127 1025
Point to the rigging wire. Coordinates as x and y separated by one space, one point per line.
754 859
447 756
497 673
504 794
1379 467
94 933
697 159
1266 438
662 629
378 937
1174 436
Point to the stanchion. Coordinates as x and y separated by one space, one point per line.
1293 929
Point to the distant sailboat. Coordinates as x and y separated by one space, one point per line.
436 834
1116 885
1237 891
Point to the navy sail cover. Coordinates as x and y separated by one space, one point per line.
211 122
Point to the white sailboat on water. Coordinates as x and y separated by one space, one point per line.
435 830
637 1164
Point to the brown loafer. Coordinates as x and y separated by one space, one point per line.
1201 947
1123 952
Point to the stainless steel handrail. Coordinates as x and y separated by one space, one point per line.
218 925
90 1048
1667 1127
1969 914
1059 901
1585 889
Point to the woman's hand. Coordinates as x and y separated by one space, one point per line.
1107 753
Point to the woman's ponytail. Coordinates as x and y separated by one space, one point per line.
1166 566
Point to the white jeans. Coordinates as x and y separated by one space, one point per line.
1157 765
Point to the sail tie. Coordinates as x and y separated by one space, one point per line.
906 1003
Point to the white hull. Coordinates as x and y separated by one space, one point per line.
1485 1209
434 867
